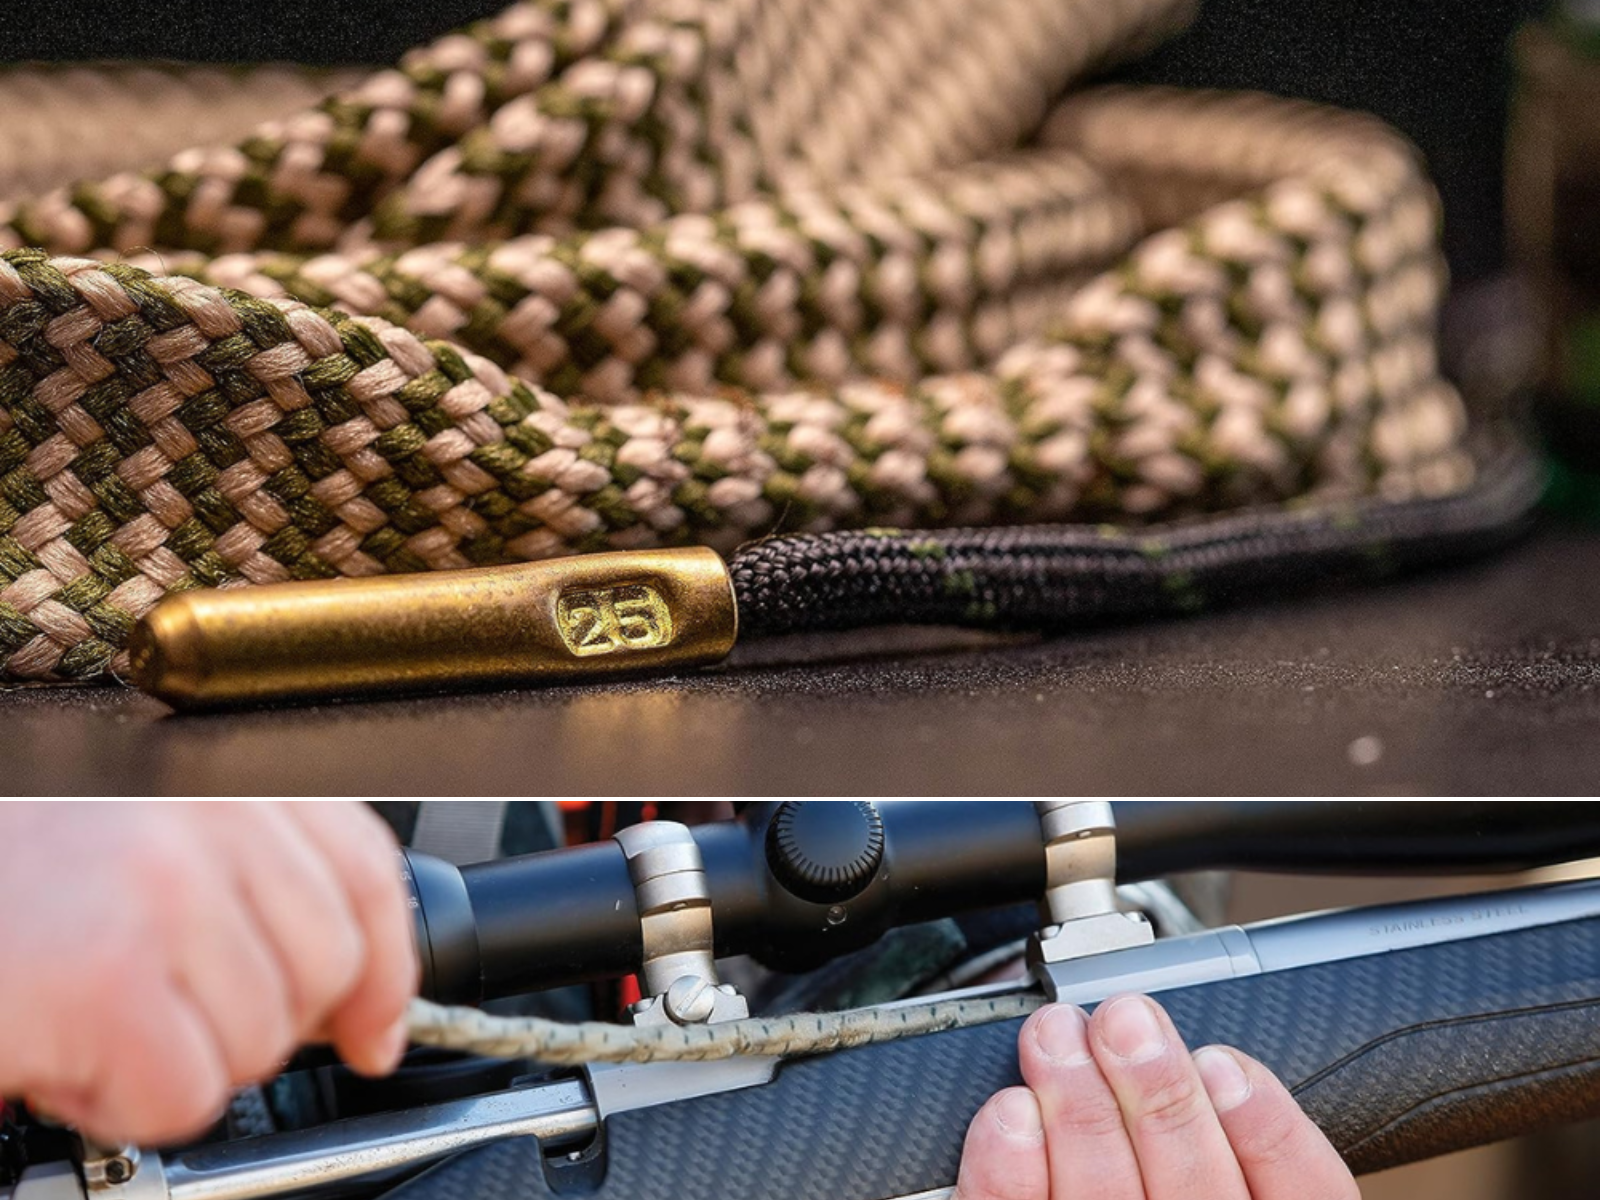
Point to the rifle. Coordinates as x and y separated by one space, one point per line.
1406 1031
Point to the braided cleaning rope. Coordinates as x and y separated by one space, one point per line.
615 273
64 122
476 1032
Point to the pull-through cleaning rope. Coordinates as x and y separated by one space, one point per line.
474 1031
65 121
613 273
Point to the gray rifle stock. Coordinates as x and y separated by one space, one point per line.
1405 1031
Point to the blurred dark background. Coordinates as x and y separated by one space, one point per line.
1437 69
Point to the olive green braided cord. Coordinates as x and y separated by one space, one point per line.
930 274
608 275
66 122
589 113
473 1031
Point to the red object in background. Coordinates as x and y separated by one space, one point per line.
575 818
594 821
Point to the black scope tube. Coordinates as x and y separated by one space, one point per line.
1352 837
565 916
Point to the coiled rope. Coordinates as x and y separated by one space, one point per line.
474 1031
612 273
66 122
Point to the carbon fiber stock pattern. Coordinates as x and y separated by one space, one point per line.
1399 1056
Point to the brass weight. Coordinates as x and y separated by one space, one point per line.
564 618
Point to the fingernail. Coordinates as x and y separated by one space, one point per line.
1132 1030
1063 1035
1225 1080
1017 1112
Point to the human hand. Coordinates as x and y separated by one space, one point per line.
1115 1108
153 957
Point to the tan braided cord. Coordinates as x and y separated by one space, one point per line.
474 1031
66 122
603 274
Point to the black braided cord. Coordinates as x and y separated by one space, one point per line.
1054 576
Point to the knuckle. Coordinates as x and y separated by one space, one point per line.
370 874
167 870
1170 1103
1090 1121
327 972
1276 1140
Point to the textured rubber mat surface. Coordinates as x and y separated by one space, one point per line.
1483 680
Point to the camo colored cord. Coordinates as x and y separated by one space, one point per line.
558 1043
66 122
611 273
